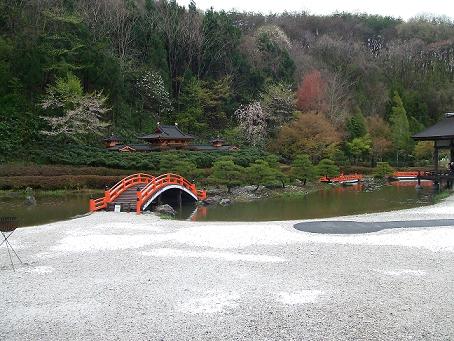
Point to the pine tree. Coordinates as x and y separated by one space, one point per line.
260 173
328 168
303 169
227 173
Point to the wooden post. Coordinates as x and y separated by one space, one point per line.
180 200
436 160
450 181
418 186
437 180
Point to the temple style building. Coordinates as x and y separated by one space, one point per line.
112 141
166 137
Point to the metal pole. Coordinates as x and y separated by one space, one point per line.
10 258
8 243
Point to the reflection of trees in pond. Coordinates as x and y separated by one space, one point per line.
336 201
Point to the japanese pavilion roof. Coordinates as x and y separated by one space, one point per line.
134 147
168 132
112 138
443 130
217 139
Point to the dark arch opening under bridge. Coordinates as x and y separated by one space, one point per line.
175 197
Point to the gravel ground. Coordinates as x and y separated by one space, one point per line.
118 276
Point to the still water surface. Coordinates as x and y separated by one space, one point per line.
323 204
326 203
47 209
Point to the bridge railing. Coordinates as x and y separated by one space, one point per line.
129 181
342 178
349 177
406 174
411 174
117 189
165 180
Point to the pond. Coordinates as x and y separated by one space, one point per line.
332 202
48 208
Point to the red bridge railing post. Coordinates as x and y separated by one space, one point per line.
107 195
139 202
92 205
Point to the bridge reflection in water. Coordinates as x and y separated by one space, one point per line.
412 183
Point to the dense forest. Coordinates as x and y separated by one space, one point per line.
347 87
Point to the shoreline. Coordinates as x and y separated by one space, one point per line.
121 276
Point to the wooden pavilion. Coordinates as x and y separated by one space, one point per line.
112 141
168 137
442 134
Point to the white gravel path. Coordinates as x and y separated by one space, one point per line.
120 276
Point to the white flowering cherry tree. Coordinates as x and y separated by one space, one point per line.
71 113
253 123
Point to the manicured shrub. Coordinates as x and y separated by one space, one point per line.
226 173
303 169
260 173
327 167
99 157
383 170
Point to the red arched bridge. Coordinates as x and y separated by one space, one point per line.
138 191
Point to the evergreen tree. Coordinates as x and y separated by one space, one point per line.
260 173
273 162
216 94
173 163
226 173
400 128
356 125
327 168
383 170
277 64
190 108
303 169
359 147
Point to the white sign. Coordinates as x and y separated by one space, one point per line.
117 208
